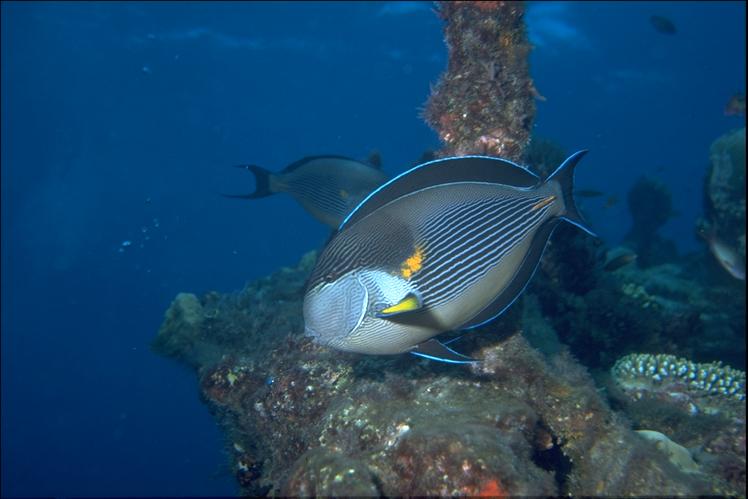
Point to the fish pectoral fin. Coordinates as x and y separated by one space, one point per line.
410 303
435 350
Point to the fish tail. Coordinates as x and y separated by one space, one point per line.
564 177
262 183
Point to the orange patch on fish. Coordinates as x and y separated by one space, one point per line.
412 264
543 202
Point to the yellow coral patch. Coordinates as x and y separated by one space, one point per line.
412 264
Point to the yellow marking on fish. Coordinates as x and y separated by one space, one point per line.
343 193
412 264
407 304
543 202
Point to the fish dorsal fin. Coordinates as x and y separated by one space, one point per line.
308 159
442 171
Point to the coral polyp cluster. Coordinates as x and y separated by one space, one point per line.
646 371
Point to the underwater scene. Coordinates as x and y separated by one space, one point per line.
373 249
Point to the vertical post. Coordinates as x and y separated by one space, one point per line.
484 102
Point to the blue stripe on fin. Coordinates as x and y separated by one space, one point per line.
581 226
434 350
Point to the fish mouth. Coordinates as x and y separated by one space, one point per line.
333 313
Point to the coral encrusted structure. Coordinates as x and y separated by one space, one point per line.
485 101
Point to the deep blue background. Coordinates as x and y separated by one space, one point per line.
120 121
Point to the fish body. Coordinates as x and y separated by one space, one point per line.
663 25
328 187
447 245
727 257
736 105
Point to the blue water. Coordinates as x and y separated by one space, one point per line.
120 122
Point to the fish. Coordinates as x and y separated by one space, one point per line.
619 261
588 193
328 187
445 246
736 105
611 201
727 257
663 25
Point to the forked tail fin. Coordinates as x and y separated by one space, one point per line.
564 176
262 183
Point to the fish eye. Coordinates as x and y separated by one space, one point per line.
328 278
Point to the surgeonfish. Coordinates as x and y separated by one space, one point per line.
447 245
328 187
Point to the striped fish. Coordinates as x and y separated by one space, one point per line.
328 187
447 245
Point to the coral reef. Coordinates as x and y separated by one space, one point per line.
698 409
706 386
665 308
724 191
650 205
484 102
181 329
303 420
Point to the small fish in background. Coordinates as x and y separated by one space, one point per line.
427 156
447 245
619 261
727 257
588 193
736 105
663 25
328 187
611 201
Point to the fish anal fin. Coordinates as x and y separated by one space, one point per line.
435 350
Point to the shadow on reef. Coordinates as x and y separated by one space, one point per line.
527 420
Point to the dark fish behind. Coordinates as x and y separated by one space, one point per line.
328 187
663 25
447 245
